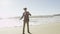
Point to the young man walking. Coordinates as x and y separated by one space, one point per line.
26 15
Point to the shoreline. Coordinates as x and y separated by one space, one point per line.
53 28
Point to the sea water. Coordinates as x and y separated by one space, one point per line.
15 22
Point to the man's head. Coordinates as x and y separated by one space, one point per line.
25 9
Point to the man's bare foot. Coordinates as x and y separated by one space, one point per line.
23 33
29 32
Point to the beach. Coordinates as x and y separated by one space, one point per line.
41 25
43 16
53 28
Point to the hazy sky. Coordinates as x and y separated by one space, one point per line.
10 8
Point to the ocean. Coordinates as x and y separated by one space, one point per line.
15 22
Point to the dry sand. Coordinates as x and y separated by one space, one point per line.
39 29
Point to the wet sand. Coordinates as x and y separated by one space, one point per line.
53 28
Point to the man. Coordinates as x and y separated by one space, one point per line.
26 20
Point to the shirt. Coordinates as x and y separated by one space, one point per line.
26 15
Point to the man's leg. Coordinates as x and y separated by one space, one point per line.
28 27
23 27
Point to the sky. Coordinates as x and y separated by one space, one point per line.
13 8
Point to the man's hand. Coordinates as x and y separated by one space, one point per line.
20 19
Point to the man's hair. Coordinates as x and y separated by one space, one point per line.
25 8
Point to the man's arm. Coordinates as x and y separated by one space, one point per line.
29 13
22 17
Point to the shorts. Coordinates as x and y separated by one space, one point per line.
26 20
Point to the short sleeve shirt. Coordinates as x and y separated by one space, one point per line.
26 15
